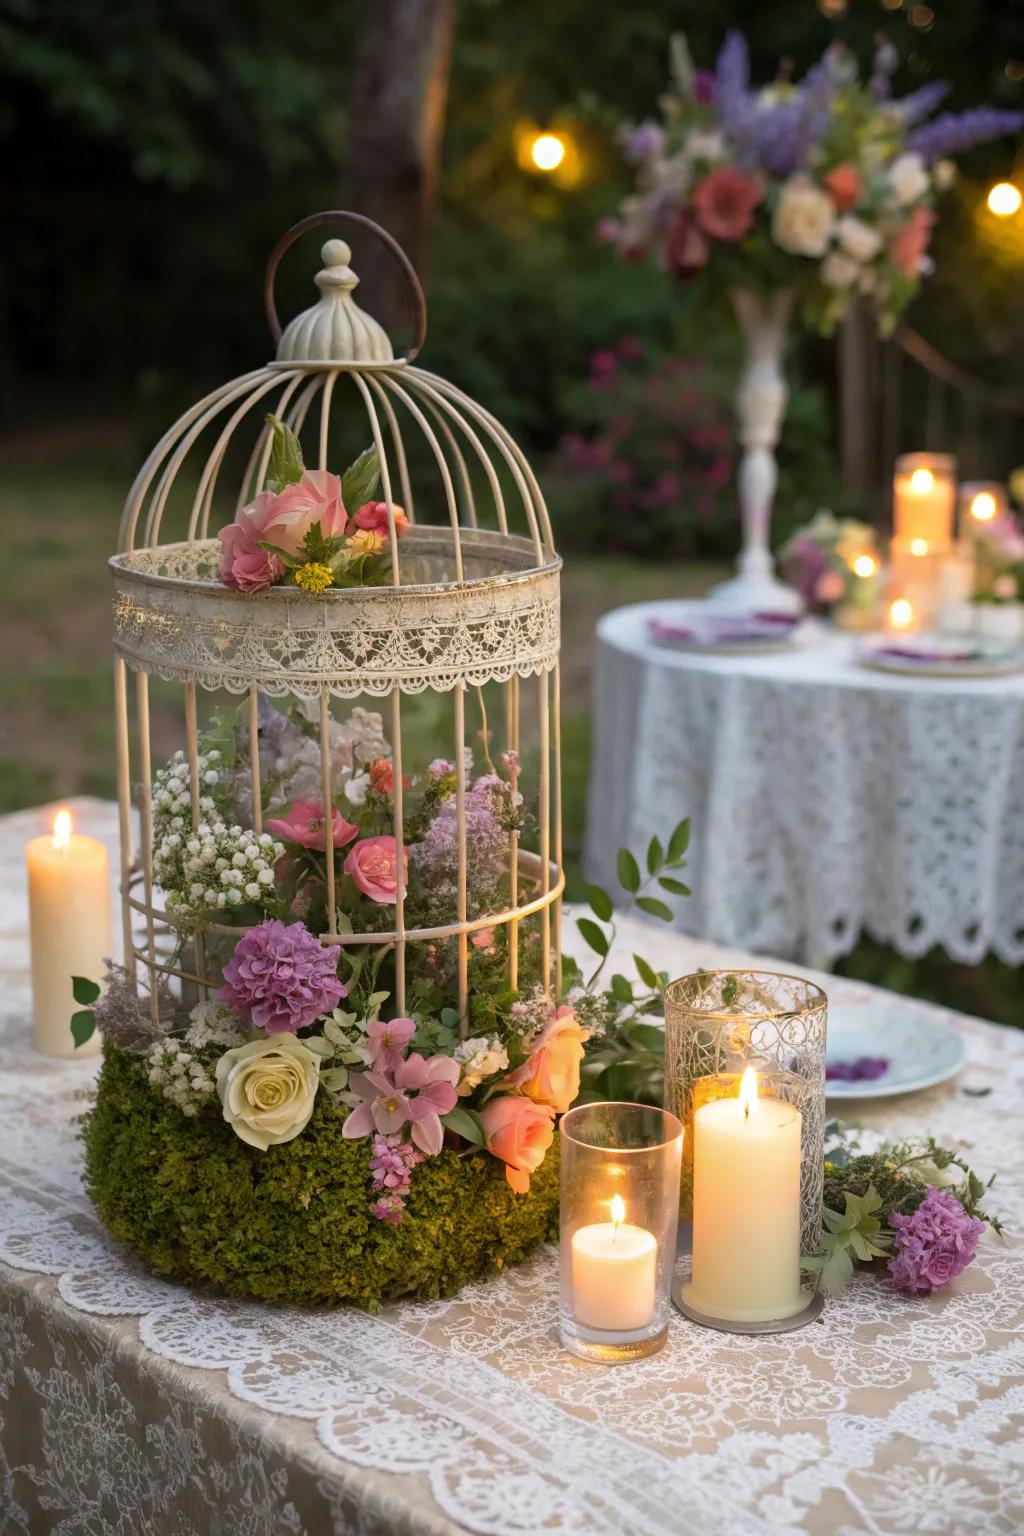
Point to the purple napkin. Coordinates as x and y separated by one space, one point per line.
723 629
864 1070
926 658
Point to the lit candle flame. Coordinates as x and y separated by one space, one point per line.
901 614
921 482
618 1211
748 1091
62 830
547 151
919 546
865 565
983 506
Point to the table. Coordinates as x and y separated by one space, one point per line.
828 800
128 1405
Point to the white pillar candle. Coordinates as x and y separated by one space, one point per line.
614 1272
924 493
70 935
746 1208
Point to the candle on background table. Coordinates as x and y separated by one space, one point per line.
70 932
924 493
614 1273
902 619
746 1208
981 503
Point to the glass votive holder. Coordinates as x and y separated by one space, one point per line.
745 1274
981 503
619 1213
720 1022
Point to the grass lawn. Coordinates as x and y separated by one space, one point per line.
59 516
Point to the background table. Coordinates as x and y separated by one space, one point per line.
128 1405
828 799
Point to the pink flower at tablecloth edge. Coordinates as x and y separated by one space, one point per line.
304 823
934 1244
373 865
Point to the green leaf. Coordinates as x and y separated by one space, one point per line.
359 481
648 975
645 1037
83 1026
289 561
622 991
676 887
84 991
319 1046
836 1272
679 841
628 871
595 936
600 902
656 908
286 466
655 856
465 1123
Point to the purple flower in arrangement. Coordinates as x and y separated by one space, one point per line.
703 87
956 132
864 1070
934 1244
643 143
920 104
280 978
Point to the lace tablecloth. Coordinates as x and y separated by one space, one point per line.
128 1405
828 800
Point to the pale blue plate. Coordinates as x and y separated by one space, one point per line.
921 1050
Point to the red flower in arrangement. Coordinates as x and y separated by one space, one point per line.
304 823
372 517
688 247
843 185
724 203
910 243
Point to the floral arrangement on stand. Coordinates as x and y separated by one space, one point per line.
824 186
998 551
833 563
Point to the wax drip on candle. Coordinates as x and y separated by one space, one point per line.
62 830
748 1091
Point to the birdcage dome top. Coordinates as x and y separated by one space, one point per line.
471 591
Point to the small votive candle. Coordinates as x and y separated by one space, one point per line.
981 503
902 618
69 929
746 1208
619 1212
924 493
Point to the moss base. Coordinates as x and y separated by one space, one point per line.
293 1224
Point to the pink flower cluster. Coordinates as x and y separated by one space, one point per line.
391 1163
283 518
280 978
934 1244
402 1090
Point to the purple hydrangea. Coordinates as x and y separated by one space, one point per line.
934 1244
280 978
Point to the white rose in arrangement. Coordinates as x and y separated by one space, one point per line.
839 271
803 218
944 174
908 178
705 144
859 240
267 1089
479 1058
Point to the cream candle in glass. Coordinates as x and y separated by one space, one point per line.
69 929
746 1208
924 493
614 1272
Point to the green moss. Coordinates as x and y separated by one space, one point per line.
293 1224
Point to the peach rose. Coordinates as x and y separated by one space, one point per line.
519 1132
372 516
843 186
911 242
551 1075
373 865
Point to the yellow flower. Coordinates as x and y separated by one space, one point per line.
314 577
365 542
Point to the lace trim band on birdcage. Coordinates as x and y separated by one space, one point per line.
174 619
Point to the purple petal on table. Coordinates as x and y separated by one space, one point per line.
864 1070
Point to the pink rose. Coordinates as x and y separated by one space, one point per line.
243 564
551 1075
910 243
304 823
724 203
482 939
687 249
283 518
829 587
373 865
519 1132
843 186
373 516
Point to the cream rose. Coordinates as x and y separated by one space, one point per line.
908 179
839 271
267 1089
803 219
858 239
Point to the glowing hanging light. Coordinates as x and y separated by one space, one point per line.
547 151
1004 200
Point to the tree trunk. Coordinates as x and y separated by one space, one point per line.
400 88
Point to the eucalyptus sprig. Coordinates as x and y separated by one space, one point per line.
635 887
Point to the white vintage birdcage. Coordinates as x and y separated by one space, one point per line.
472 610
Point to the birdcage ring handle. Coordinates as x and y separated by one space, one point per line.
333 216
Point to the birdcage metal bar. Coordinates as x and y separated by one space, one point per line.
437 398
203 500
512 739
328 807
325 415
461 882
254 759
252 479
398 828
469 500
124 804
385 476
146 823
544 818
446 479
556 776
395 430
195 792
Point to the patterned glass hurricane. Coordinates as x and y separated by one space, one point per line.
717 1023
466 615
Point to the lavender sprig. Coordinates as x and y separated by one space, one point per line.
956 132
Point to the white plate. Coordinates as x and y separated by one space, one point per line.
921 1051
998 662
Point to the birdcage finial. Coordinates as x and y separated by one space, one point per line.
335 330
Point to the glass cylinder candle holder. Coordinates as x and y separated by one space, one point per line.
718 1023
619 1212
924 497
